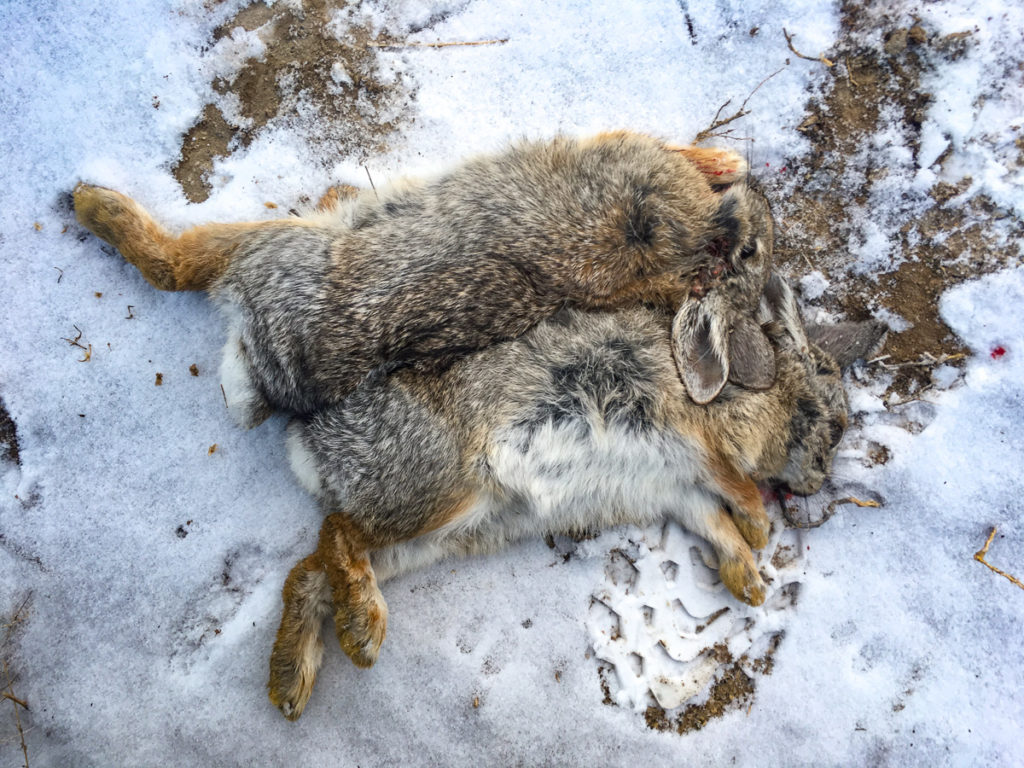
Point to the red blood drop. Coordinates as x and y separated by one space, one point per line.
783 169
998 352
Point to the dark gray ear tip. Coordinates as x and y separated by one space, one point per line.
878 332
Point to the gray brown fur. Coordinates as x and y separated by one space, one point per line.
429 271
555 432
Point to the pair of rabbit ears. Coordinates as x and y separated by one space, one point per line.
709 351
710 347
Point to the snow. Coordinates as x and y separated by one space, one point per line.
153 567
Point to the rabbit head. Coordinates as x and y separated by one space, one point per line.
715 337
817 355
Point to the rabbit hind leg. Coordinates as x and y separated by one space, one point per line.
360 613
298 648
189 262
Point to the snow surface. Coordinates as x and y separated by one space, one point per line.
143 647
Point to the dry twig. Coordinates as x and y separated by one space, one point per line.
372 185
9 694
719 121
17 703
830 509
820 57
411 44
926 359
980 557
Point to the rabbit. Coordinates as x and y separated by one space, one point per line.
427 271
581 423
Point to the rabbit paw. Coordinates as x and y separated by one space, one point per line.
361 628
742 579
754 529
292 674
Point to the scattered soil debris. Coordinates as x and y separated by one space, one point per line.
934 244
318 73
733 688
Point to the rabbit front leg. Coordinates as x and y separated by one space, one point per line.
360 613
298 648
705 516
745 502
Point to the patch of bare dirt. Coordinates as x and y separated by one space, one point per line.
732 689
942 239
315 71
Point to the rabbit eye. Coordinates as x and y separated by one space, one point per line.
748 251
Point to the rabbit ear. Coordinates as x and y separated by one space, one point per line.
778 305
847 342
751 357
700 349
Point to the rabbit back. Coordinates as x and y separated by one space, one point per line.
427 272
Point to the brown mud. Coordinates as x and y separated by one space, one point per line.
941 239
318 74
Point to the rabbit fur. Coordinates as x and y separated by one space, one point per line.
375 320
582 423
426 271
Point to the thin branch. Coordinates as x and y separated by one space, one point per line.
980 557
821 58
926 359
372 185
410 44
17 712
719 121
830 509
8 695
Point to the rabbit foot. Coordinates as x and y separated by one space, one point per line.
292 674
298 647
361 631
742 579
755 530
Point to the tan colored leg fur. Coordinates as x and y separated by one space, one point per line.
189 262
745 503
360 613
334 195
719 165
298 648
736 566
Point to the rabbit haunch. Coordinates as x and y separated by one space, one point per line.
425 272
582 423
